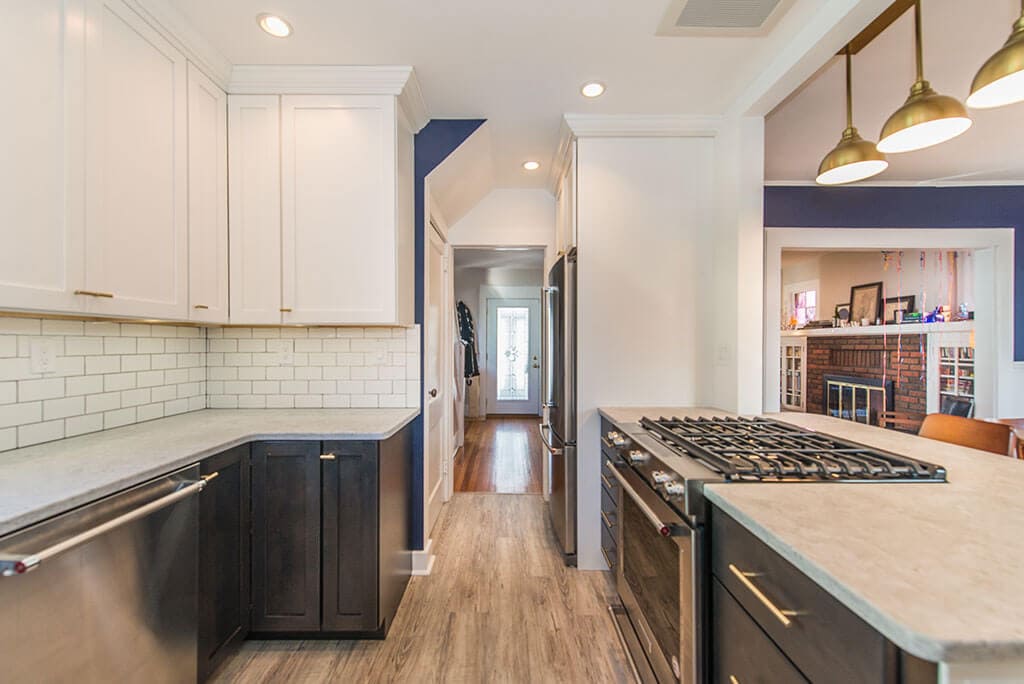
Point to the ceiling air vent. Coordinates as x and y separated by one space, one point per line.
721 17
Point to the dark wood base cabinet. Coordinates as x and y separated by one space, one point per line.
302 539
772 623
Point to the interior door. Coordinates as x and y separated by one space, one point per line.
435 385
513 356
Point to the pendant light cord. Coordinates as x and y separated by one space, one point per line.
918 39
849 89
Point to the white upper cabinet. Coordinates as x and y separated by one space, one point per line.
40 184
321 207
254 194
207 199
136 219
338 201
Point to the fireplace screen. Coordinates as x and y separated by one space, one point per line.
857 399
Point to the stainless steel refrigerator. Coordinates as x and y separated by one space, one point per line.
559 432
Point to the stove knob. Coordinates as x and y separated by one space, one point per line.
675 488
616 438
661 477
637 456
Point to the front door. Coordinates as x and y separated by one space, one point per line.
513 356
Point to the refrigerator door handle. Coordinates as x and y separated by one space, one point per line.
12 566
554 451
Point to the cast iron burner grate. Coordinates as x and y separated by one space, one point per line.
761 449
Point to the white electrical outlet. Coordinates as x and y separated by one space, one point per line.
43 356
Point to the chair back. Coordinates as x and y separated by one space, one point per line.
969 432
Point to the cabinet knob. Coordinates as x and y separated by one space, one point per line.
326 457
433 393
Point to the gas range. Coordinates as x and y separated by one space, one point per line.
678 456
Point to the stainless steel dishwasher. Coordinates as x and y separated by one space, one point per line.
106 592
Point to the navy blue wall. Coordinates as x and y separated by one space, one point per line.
434 143
900 207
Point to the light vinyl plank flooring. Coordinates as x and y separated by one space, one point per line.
500 606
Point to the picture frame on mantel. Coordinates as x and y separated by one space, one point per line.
866 302
898 307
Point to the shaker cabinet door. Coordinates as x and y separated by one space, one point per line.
350 534
136 199
40 169
286 536
223 557
207 199
338 160
254 197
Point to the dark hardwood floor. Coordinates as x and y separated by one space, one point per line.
501 454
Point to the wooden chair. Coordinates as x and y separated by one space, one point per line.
996 438
1018 427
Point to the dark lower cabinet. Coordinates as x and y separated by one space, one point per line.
223 558
330 536
286 499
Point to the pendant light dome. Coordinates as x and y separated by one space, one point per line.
926 118
854 158
1000 81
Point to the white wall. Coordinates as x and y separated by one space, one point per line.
643 218
509 218
837 272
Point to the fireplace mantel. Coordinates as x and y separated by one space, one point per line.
891 330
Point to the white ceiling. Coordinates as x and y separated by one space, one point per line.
959 35
525 259
518 64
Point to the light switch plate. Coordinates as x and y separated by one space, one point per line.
43 356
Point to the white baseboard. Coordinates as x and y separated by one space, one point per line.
423 560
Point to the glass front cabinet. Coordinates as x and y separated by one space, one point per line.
794 375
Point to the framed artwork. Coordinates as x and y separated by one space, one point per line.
843 312
897 307
866 302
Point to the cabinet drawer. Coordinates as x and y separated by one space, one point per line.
741 653
823 638
610 504
609 547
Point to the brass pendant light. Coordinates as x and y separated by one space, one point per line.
1000 81
854 158
926 118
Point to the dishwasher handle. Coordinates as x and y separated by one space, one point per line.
12 566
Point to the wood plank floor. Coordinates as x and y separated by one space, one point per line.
501 454
500 606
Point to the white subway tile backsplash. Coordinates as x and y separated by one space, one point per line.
113 374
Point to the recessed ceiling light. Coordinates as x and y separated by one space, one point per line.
592 89
531 165
274 25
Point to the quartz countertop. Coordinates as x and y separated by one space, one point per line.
48 479
937 568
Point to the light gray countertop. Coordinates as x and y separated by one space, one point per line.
44 480
936 568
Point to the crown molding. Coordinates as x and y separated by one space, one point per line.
643 126
172 26
284 79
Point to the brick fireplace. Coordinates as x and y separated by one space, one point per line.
863 356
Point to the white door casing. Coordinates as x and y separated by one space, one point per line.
531 404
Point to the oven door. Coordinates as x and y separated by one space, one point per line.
658 580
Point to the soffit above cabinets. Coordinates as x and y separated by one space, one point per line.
721 17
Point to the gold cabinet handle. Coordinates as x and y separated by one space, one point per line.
327 457
608 523
286 310
744 577
91 293
733 680
200 306
211 476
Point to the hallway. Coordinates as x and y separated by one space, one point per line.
502 454
499 606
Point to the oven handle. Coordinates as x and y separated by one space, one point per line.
663 528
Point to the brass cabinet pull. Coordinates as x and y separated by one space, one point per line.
327 457
200 306
744 577
211 476
733 680
91 293
607 523
283 310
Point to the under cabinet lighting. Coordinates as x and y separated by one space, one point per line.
274 25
